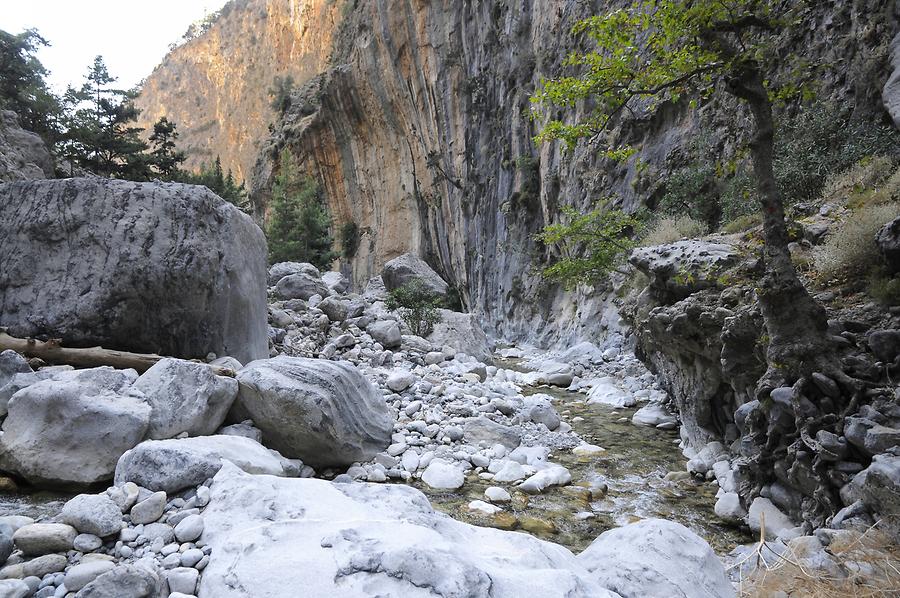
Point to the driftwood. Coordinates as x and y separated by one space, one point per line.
52 351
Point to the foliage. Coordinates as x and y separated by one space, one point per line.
669 229
167 158
280 92
350 238
298 227
215 179
692 191
417 305
851 249
742 223
100 136
590 244
22 86
883 287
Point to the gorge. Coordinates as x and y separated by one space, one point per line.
602 439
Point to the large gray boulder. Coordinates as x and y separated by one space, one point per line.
146 267
185 397
323 412
408 267
891 93
271 536
655 558
678 269
300 286
282 269
888 239
23 154
463 333
71 429
173 465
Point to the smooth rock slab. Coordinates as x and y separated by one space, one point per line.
161 268
93 514
173 465
323 412
364 540
656 558
185 397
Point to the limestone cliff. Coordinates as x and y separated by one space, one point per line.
216 86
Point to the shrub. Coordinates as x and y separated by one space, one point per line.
673 228
870 176
417 305
742 223
884 288
350 238
851 249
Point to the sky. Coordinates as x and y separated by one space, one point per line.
131 35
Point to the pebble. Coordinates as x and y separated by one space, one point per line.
150 509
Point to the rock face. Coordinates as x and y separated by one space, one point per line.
358 540
23 154
147 267
71 430
185 397
325 413
891 92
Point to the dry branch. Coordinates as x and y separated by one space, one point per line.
52 351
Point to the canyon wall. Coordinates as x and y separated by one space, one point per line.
418 130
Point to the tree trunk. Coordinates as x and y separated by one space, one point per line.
795 323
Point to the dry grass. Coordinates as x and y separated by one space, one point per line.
673 228
851 249
876 176
866 565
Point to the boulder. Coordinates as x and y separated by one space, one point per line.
174 465
728 508
463 333
82 574
337 282
776 522
282 269
300 286
92 514
655 558
442 475
605 392
11 363
408 267
878 486
14 588
125 581
385 332
400 381
885 344
23 154
44 538
891 93
154 267
185 397
888 240
335 309
363 540
6 542
652 415
679 269
487 432
70 430
323 412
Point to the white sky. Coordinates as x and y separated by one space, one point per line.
131 35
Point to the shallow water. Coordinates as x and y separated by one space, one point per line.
633 469
38 505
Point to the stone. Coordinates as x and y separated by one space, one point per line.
551 475
336 281
484 431
281 269
890 95
356 540
150 509
606 392
87 543
885 344
510 471
385 332
81 575
6 542
323 412
441 475
498 495
183 579
484 507
14 588
400 381
244 429
152 267
878 487
185 397
728 508
888 238
776 522
11 363
43 565
463 333
679 269
545 414
125 581
92 514
335 309
655 558
177 464
880 439
70 430
23 154
652 415
44 538
189 529
408 267
300 286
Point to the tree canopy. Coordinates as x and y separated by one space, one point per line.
22 85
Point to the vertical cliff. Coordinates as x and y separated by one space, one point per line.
215 86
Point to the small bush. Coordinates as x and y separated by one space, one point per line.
884 288
417 305
349 239
742 223
869 175
851 249
673 228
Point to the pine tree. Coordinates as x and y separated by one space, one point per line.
22 86
166 157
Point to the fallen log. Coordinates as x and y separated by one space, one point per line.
52 351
